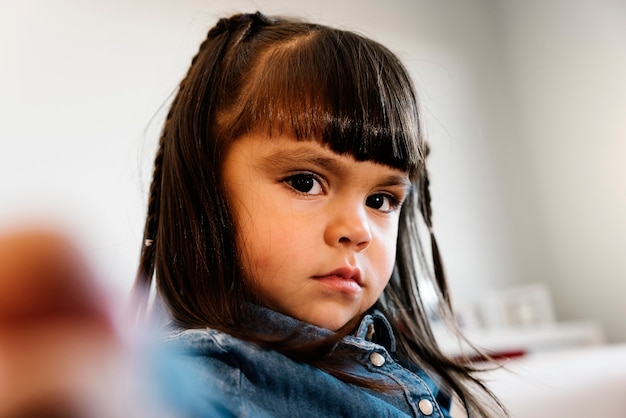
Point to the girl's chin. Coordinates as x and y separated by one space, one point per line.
332 320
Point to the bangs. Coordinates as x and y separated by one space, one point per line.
338 88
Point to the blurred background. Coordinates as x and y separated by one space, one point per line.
524 105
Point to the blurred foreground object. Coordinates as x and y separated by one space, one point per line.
60 352
43 279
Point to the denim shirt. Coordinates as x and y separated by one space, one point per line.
220 375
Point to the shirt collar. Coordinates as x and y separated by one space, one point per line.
376 328
373 327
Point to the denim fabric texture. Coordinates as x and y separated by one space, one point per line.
225 376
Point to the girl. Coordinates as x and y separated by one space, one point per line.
282 229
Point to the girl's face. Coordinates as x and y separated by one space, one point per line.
317 230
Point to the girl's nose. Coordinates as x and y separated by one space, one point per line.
349 226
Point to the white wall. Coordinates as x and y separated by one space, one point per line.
569 72
82 84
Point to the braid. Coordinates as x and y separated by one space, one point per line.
252 21
145 273
143 278
427 213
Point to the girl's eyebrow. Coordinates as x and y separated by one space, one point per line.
304 155
327 161
397 180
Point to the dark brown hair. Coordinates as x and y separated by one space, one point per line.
311 82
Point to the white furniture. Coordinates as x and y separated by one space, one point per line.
526 340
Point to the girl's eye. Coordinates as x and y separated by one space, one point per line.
382 202
305 183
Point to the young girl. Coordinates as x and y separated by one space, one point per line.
282 229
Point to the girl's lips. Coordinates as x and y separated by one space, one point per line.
346 273
346 280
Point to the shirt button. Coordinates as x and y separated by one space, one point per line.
425 406
377 359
